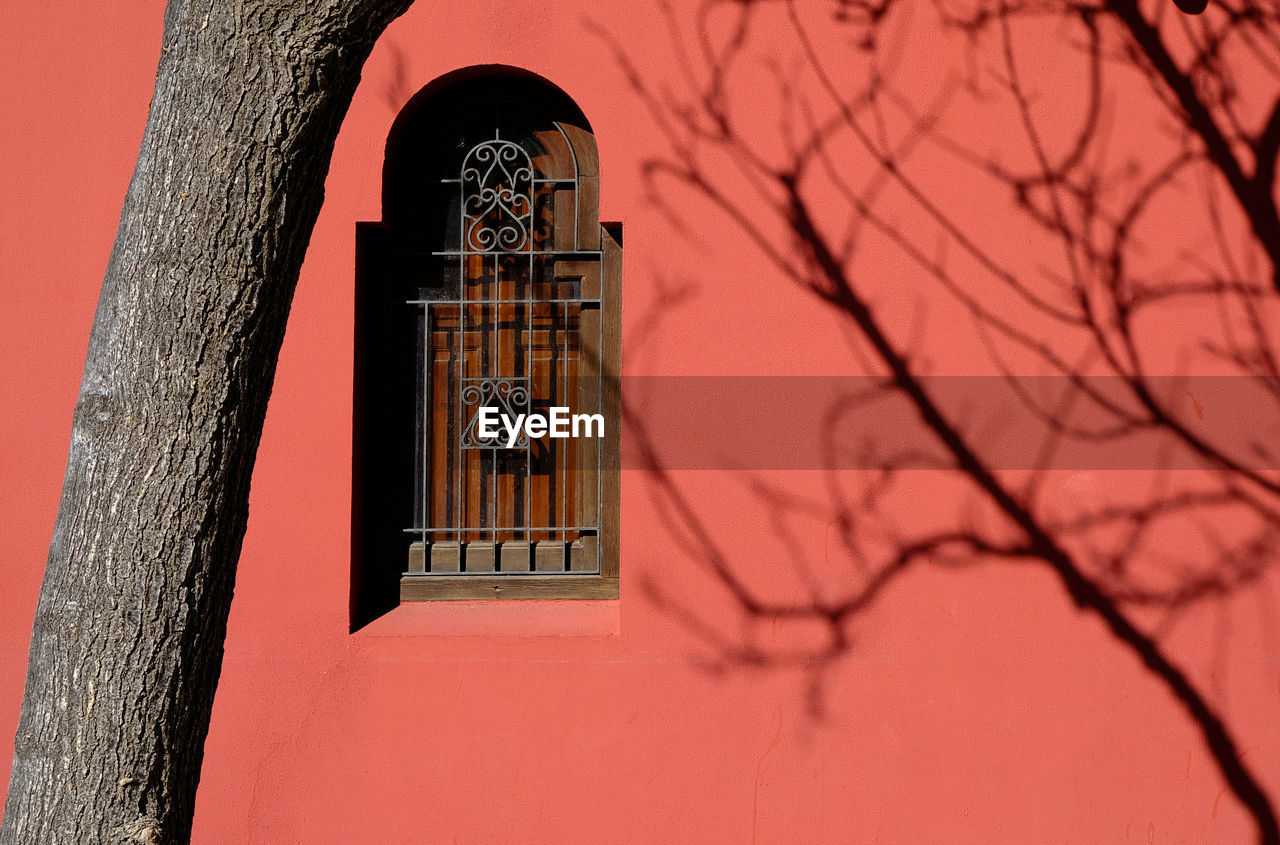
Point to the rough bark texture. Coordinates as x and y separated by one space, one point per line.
128 636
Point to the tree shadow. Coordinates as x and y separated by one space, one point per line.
1130 272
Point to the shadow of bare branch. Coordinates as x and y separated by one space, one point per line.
1083 190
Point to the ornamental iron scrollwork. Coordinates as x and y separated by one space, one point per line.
497 198
508 396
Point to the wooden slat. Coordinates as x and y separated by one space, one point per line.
582 555
480 556
445 556
589 217
515 556
444 374
417 558
548 556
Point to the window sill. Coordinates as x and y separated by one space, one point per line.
416 588
488 618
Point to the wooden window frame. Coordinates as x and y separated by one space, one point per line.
388 268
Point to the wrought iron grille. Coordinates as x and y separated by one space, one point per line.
503 326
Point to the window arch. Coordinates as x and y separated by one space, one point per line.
489 282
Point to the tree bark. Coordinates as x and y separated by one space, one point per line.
128 636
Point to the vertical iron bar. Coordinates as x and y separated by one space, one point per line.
496 370
562 453
425 483
462 349
600 444
528 446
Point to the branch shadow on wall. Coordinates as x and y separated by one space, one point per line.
1133 276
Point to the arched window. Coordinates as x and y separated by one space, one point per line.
489 283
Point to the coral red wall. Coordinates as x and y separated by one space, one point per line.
976 706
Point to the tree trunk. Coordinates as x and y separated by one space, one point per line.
128 635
